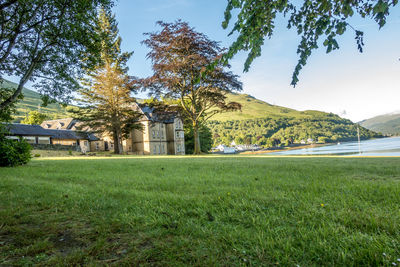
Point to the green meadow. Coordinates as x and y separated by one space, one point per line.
201 211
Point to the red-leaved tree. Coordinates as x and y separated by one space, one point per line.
186 68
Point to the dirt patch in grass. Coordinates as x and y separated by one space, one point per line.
65 242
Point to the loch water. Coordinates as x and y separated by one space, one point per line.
375 147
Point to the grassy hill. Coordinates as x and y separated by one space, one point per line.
32 101
253 108
386 124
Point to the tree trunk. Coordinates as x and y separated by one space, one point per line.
197 150
117 142
28 74
6 103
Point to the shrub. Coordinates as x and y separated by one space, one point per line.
36 155
70 152
14 152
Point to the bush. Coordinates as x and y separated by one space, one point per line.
14 152
36 155
205 139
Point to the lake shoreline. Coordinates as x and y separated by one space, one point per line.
272 150
389 146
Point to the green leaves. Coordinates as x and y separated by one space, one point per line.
49 41
312 19
380 11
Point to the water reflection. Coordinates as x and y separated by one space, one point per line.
376 147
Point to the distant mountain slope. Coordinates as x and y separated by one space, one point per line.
253 108
386 124
269 125
32 101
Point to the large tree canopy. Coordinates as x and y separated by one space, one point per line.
314 20
181 57
48 42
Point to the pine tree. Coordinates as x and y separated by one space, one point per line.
106 93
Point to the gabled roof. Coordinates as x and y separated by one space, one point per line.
151 114
27 130
80 126
58 124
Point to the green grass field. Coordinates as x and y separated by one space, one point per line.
201 211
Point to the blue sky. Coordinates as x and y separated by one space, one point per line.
354 85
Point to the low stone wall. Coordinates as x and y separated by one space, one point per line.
56 147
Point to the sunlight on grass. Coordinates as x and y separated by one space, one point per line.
206 210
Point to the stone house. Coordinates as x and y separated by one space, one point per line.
33 134
161 134
37 135
82 140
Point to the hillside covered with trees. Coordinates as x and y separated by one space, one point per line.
285 130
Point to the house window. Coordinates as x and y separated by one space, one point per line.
44 140
158 134
97 145
162 149
155 149
30 139
85 143
177 134
178 148
154 134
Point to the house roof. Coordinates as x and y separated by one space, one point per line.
72 135
66 123
151 114
37 130
27 130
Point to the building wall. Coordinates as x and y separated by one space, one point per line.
158 148
84 145
64 142
150 140
138 137
97 146
176 137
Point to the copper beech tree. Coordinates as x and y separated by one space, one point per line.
181 60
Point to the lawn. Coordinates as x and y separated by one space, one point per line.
225 211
